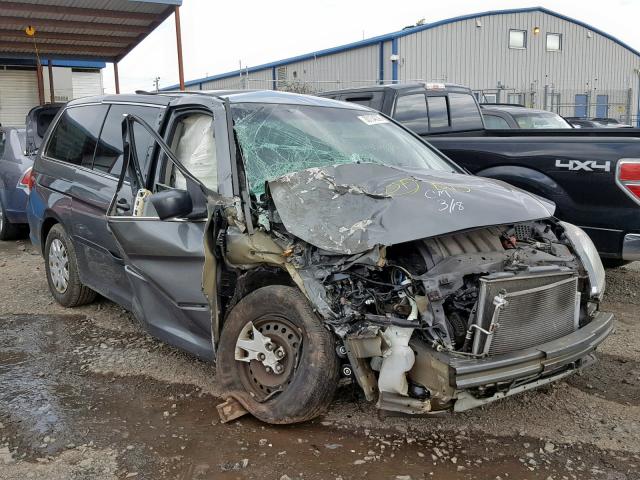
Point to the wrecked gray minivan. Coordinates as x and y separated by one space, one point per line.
330 241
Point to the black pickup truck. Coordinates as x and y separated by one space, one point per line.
592 175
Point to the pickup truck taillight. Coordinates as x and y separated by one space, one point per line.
27 181
628 177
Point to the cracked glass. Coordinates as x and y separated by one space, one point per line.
278 139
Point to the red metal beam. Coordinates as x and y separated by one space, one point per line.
40 79
52 96
79 11
63 48
179 44
38 23
117 77
18 35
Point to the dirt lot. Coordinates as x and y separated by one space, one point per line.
85 394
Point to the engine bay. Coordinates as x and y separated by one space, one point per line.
387 303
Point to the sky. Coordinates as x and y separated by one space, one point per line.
218 35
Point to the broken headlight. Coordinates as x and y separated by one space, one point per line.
589 257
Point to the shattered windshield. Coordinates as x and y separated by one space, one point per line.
278 139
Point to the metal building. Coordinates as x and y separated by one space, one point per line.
532 56
19 85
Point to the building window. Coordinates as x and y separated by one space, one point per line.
517 39
554 42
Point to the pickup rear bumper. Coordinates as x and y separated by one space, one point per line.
631 247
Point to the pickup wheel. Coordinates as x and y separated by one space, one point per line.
614 262
61 266
8 231
276 357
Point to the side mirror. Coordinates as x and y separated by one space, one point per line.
171 203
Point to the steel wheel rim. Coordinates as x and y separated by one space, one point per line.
260 384
59 266
1 218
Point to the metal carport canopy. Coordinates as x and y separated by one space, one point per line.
102 30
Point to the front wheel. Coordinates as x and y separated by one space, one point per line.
276 357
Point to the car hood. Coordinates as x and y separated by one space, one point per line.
348 209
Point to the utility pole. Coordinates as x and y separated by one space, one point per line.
156 82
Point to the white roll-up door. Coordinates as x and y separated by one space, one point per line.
18 95
86 84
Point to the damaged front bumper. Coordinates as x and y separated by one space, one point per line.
471 382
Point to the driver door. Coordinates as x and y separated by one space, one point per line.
161 236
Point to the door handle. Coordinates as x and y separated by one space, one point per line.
123 205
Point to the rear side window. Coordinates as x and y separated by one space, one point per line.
438 112
493 122
108 157
464 112
76 134
411 111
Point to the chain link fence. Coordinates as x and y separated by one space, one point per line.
594 103
289 85
605 103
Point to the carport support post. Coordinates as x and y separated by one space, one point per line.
40 79
117 78
179 44
52 96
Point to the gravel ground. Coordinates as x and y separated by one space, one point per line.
85 394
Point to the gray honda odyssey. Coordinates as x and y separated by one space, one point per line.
295 239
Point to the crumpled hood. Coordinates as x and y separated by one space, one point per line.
351 208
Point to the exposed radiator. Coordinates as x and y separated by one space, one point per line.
533 310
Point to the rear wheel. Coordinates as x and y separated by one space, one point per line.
8 231
276 357
62 270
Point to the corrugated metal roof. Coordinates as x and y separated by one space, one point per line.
79 29
395 35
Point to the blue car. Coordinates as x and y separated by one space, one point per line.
18 147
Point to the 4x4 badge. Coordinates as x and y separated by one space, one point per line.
587 165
